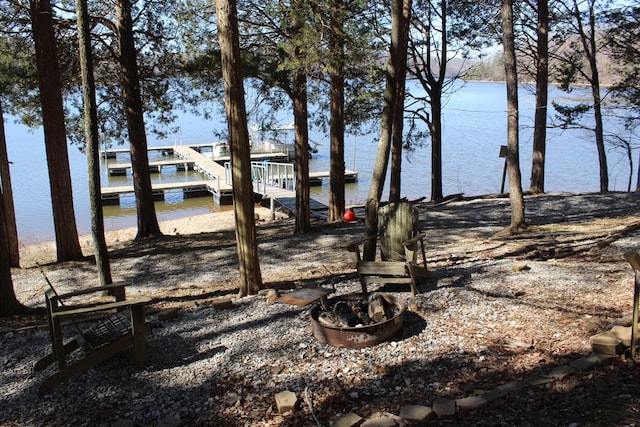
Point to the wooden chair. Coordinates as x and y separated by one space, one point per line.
109 335
400 241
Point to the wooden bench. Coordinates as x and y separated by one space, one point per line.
123 325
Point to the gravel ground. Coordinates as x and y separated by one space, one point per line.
479 324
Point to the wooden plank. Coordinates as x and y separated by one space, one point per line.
382 280
396 224
100 307
123 189
388 268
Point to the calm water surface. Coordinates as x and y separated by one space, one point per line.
474 129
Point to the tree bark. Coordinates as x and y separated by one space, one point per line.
9 304
435 129
250 276
542 83
386 129
303 194
301 133
513 157
67 243
336 121
395 182
147 220
7 199
93 144
590 48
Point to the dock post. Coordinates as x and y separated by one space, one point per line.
272 206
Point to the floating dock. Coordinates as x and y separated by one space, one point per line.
207 147
216 182
271 180
316 178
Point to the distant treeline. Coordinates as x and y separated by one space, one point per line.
491 68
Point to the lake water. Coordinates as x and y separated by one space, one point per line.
474 129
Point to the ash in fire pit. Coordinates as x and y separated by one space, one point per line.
357 320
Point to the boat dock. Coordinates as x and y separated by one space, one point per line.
274 155
111 195
121 169
316 178
216 182
272 181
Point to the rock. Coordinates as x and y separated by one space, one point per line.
347 420
381 421
222 303
492 395
272 296
560 372
607 344
586 363
444 407
417 413
623 333
513 386
535 380
286 401
520 266
471 402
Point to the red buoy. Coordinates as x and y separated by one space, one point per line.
349 215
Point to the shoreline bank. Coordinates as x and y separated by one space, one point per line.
45 252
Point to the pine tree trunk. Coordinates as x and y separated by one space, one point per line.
395 183
303 196
93 144
147 220
336 122
301 133
67 243
7 199
250 276
513 158
542 83
435 128
386 129
9 305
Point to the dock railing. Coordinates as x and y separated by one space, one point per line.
268 174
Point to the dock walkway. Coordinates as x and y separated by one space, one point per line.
273 181
215 183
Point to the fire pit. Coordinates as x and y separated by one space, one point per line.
357 320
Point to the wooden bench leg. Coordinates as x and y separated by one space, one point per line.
140 329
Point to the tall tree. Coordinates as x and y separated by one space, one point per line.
9 304
398 115
93 143
442 33
513 150
336 102
228 38
579 63
395 67
276 48
147 220
300 101
622 41
301 128
7 198
542 87
67 243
